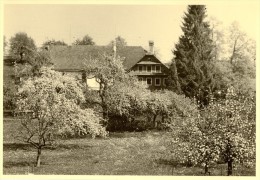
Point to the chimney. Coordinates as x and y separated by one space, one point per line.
151 49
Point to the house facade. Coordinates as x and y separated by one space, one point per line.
150 70
144 64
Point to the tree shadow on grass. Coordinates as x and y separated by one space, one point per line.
68 146
21 164
17 146
29 147
168 162
17 164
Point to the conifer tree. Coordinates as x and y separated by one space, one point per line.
192 65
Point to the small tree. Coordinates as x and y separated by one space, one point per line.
120 42
86 40
225 130
236 125
53 105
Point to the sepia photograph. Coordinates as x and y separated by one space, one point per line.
128 89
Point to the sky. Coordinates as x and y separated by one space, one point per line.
137 24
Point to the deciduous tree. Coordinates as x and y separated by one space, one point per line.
224 131
53 42
22 46
218 38
86 40
120 42
107 70
53 105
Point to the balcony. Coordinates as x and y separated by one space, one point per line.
147 73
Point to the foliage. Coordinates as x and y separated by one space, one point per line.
22 46
237 46
32 66
235 55
53 42
86 40
218 38
240 75
107 70
131 100
173 80
225 130
9 87
120 42
53 100
5 44
193 56
123 100
9 92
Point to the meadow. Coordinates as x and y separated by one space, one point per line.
126 153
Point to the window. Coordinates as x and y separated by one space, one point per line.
140 68
153 68
149 68
149 81
142 80
158 68
157 81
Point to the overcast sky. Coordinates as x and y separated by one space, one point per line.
136 23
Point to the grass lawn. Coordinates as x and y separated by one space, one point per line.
135 153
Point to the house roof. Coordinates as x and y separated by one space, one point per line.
73 57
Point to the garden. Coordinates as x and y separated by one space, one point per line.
203 123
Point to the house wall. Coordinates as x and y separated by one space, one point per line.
153 85
78 75
92 84
155 74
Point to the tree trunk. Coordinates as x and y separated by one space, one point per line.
229 172
206 169
154 121
105 111
38 160
229 158
233 52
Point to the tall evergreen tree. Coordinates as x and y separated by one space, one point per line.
192 67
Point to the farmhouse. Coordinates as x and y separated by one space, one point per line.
146 66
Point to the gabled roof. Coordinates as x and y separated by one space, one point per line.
72 57
150 59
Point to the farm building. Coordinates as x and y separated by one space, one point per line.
146 66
